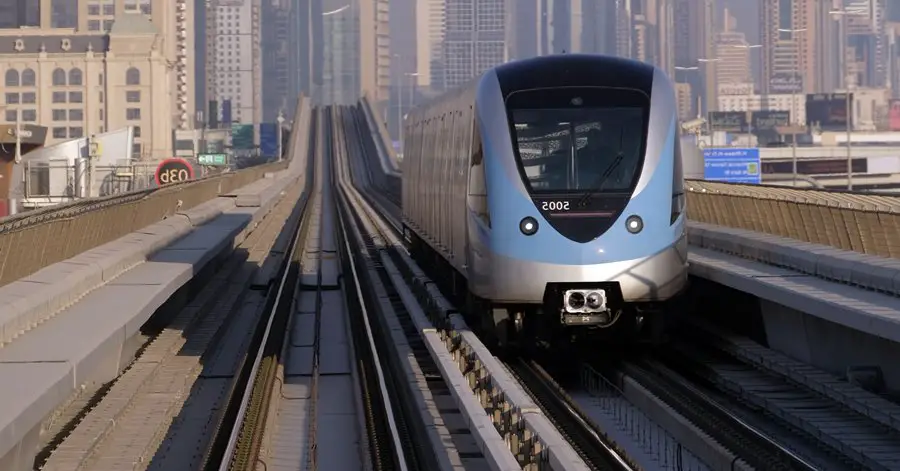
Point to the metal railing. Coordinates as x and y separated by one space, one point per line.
859 222
32 240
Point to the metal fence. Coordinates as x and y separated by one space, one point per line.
35 239
61 181
859 222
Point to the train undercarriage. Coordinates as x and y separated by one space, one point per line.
572 314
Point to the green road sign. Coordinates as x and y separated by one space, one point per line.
213 159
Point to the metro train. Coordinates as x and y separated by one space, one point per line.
551 192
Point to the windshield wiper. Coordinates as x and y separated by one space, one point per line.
601 179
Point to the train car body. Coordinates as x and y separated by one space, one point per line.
553 187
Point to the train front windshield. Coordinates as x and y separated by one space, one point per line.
579 140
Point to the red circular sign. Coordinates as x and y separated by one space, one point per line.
175 170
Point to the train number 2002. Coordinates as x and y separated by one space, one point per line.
555 206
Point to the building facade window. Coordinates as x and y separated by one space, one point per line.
59 97
133 114
76 115
133 96
12 78
76 97
59 133
59 78
132 76
75 77
29 116
59 115
29 79
29 98
12 98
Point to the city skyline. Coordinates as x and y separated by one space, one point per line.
245 61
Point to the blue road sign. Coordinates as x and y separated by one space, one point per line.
731 165
268 139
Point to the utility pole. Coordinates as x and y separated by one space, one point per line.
280 121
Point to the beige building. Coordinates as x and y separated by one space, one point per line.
795 103
733 53
430 31
174 21
685 101
83 83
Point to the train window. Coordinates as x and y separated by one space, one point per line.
576 140
477 186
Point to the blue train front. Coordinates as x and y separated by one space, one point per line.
573 211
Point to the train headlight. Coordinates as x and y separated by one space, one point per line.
528 225
634 224
594 300
575 300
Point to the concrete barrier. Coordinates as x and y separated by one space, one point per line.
34 240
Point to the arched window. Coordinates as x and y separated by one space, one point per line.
28 78
59 77
12 78
75 76
132 76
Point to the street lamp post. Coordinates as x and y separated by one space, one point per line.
697 68
842 13
795 116
750 47
400 113
280 121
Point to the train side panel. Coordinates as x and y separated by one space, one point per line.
436 163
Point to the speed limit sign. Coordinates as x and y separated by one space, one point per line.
174 171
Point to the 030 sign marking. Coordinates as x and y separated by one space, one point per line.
174 171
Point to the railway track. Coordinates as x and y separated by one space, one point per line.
302 394
756 409
830 423
556 422
162 411
320 344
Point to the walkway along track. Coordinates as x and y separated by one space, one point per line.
515 414
160 412
834 422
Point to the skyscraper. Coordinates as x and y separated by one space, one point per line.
598 34
476 39
788 30
357 55
733 53
430 33
237 74
694 46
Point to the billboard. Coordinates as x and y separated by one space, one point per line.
828 111
817 166
728 121
786 83
733 165
769 120
894 115
242 136
268 139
